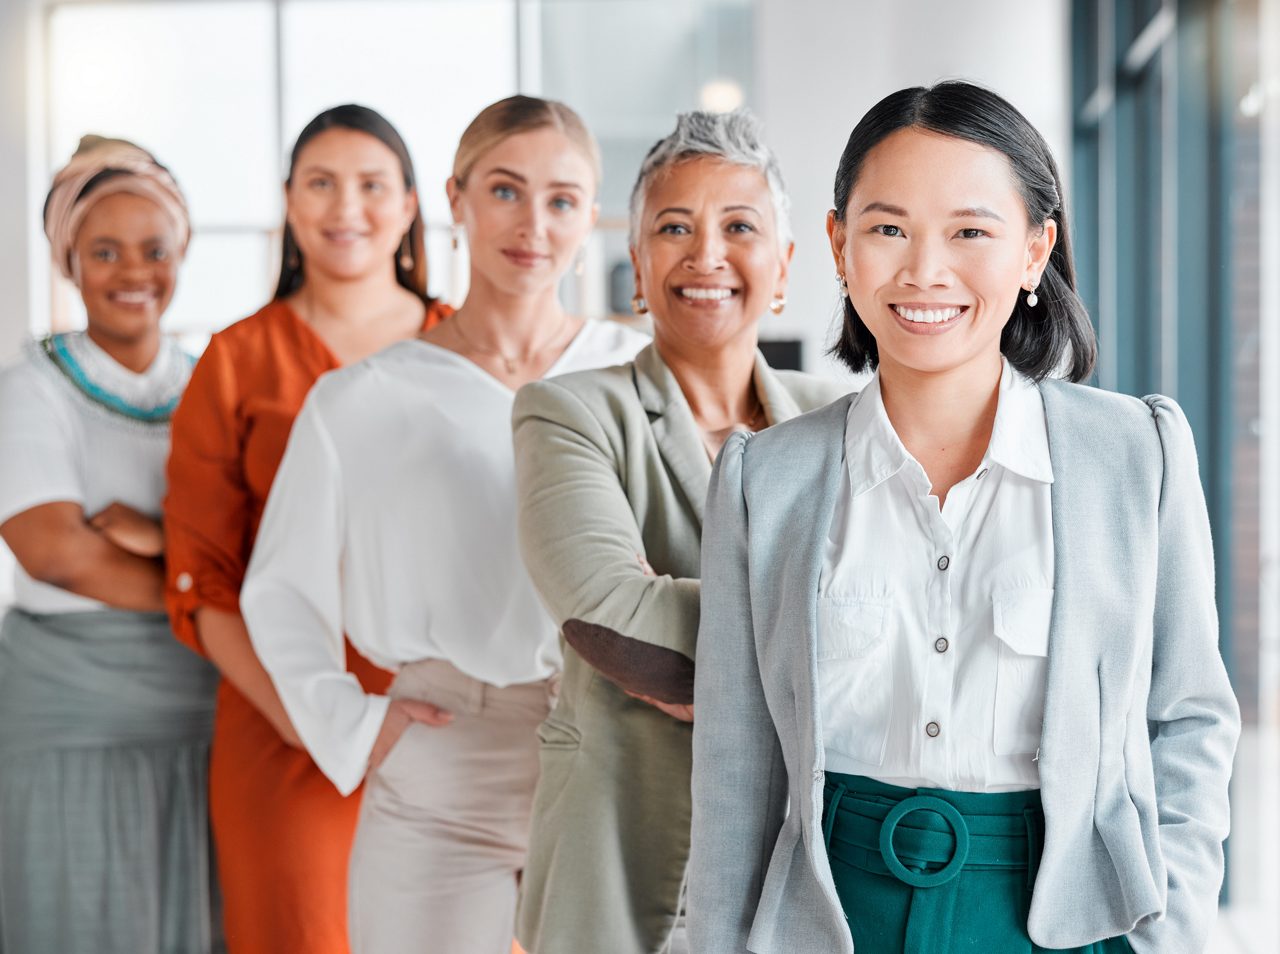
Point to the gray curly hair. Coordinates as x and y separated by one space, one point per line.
735 137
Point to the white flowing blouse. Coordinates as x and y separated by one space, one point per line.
78 427
393 519
933 624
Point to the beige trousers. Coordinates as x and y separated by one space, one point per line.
444 826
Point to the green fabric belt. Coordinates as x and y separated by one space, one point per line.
925 837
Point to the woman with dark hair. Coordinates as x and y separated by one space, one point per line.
393 520
961 622
352 281
104 719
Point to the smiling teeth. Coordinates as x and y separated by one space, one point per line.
707 294
930 317
133 298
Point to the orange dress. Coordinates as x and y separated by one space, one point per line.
281 830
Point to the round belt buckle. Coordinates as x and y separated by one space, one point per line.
922 803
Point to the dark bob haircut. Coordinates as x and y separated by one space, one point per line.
1037 341
411 256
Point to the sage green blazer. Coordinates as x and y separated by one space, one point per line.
611 469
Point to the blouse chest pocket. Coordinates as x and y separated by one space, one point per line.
1021 620
855 676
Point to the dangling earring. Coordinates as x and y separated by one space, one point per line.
406 254
778 303
844 285
292 260
580 263
1032 298
639 305
453 236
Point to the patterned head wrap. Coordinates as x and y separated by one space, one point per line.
138 173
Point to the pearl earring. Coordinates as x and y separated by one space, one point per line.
779 303
1032 298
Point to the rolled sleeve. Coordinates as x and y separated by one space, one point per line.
208 505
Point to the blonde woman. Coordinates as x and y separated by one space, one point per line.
393 520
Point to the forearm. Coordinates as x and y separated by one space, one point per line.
54 545
226 641
112 576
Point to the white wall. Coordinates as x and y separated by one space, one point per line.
19 230
820 64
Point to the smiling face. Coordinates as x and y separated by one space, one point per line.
934 246
347 205
527 206
127 253
707 258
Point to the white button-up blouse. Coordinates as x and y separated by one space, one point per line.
393 519
933 624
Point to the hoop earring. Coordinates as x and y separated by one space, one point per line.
639 306
778 303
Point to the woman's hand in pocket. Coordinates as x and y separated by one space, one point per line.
401 714
676 710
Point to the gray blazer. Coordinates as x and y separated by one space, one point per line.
611 467
1140 723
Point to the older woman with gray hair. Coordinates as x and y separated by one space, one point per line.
612 469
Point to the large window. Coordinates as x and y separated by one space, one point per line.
218 89
1171 175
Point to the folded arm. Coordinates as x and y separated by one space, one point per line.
55 544
585 553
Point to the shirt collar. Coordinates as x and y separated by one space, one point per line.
1019 438
872 449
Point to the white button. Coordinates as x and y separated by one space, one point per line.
184 582
932 730
941 644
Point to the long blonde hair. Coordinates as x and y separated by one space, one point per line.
517 114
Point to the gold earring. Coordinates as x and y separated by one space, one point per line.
580 264
639 305
453 237
406 255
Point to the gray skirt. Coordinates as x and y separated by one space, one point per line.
105 723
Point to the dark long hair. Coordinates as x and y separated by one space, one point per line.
1036 341
371 122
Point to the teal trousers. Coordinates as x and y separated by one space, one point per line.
927 871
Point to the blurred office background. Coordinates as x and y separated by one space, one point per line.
1165 115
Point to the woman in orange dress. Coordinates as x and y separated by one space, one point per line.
352 281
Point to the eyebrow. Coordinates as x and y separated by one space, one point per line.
972 212
107 240
976 212
680 210
511 174
325 170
